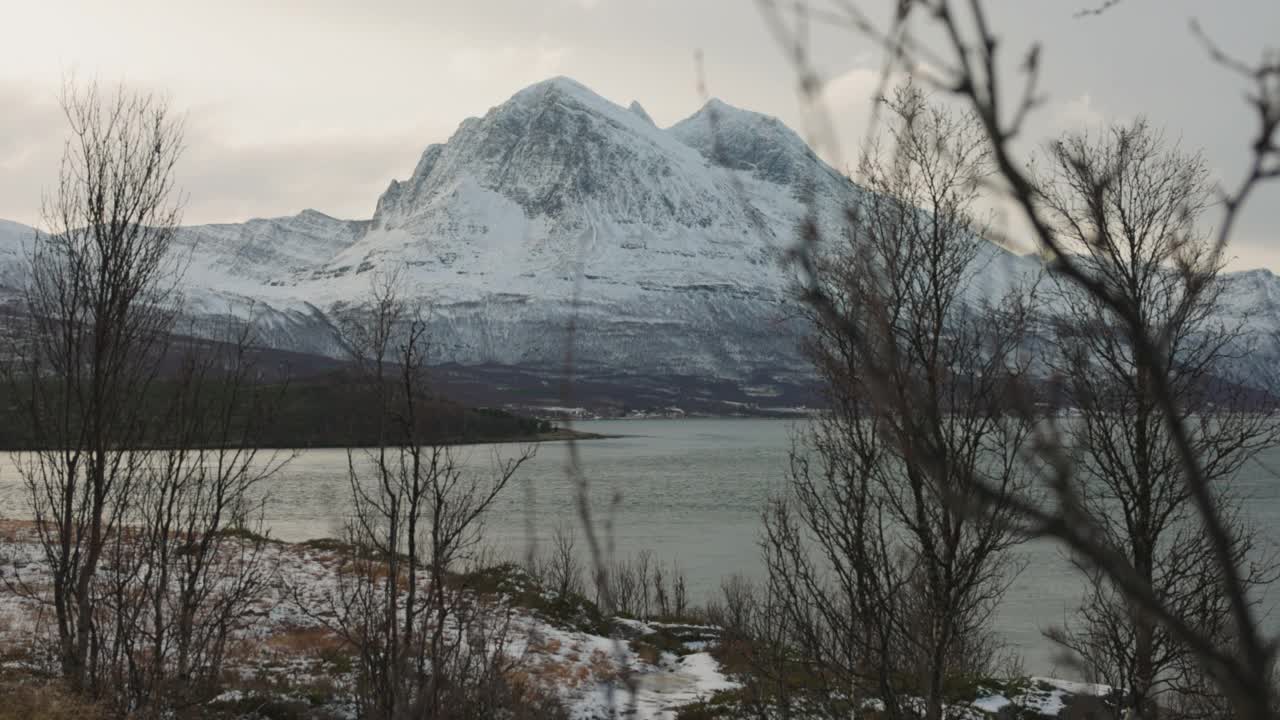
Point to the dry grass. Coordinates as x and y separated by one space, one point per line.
44 701
648 653
546 670
603 667
11 529
308 642
544 646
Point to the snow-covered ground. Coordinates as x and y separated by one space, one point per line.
285 637
1048 697
286 646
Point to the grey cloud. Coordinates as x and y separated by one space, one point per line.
342 177
31 130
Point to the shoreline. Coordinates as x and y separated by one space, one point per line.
558 435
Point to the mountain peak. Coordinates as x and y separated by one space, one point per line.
638 109
723 111
562 94
560 85
560 153
741 139
552 149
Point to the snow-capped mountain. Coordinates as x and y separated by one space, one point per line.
560 194
665 244
556 203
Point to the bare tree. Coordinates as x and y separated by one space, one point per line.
144 459
183 566
1140 237
100 303
954 46
756 637
564 571
907 576
427 647
198 524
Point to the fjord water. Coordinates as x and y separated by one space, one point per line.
691 491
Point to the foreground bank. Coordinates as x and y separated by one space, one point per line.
288 658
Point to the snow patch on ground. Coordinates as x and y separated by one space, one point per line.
590 673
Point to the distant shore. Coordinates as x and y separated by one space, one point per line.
556 435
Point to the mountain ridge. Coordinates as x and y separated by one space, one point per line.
664 244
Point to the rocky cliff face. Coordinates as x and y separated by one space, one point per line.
559 196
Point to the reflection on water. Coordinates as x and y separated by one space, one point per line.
689 490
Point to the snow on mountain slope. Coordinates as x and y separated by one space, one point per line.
558 177
759 144
14 239
665 244
259 250
560 194
555 202
230 272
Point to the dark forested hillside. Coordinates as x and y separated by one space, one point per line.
324 410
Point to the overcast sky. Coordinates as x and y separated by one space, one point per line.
319 104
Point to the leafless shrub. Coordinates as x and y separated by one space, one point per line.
621 583
661 597
646 570
559 569
427 647
757 644
630 582
735 608
187 567
679 593
564 572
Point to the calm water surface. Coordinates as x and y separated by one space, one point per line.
689 490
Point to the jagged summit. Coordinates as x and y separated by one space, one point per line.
565 94
744 140
313 214
557 144
563 153
638 109
562 84
726 112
